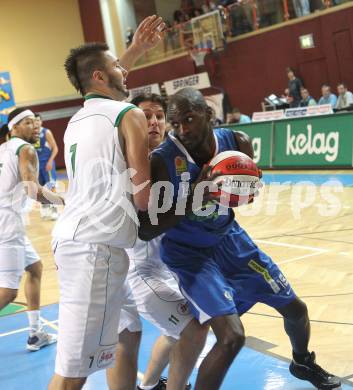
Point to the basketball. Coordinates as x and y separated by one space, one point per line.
239 179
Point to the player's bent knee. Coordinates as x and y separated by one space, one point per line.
295 311
35 269
232 340
10 295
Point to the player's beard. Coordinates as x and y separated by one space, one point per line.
118 87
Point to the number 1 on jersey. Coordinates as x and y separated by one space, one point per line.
73 157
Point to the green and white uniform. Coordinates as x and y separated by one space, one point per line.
16 251
98 221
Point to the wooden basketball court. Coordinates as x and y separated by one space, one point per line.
313 246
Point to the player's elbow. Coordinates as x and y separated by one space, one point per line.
141 203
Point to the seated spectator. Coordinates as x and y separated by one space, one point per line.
307 100
345 97
294 86
327 97
235 116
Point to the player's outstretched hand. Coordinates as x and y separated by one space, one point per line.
148 33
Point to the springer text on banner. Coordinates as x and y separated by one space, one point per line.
198 81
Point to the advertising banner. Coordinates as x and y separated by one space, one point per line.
316 141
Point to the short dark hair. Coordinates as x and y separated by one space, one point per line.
191 96
343 85
37 115
82 62
289 69
150 97
235 110
325 85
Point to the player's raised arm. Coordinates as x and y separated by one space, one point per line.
133 128
146 37
28 167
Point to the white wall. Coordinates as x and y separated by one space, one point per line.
166 8
126 14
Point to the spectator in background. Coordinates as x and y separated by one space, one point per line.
301 7
129 36
269 12
307 100
47 150
345 97
235 116
294 86
178 16
327 97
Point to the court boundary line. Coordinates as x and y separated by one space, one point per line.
317 251
20 330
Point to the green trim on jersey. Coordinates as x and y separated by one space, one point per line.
19 149
96 96
121 114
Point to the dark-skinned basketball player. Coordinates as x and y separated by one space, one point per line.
220 269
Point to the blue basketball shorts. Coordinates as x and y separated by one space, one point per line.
47 177
228 278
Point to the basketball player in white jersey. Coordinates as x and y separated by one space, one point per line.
18 175
103 140
156 295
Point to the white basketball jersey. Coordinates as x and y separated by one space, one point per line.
98 206
12 194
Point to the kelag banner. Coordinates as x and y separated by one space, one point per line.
316 141
311 142
7 101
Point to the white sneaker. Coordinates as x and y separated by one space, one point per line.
45 212
40 339
53 215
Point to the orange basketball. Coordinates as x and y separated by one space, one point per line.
239 179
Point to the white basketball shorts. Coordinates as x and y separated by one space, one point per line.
91 279
158 300
15 256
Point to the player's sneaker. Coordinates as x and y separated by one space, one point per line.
162 385
312 372
45 212
53 213
40 339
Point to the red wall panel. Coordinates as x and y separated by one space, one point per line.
252 68
91 20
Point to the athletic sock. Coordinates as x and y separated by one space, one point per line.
301 358
34 321
148 387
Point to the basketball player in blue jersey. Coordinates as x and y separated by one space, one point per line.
220 270
47 150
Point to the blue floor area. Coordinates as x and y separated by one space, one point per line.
20 369
327 178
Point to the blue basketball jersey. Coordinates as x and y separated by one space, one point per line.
42 147
196 230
